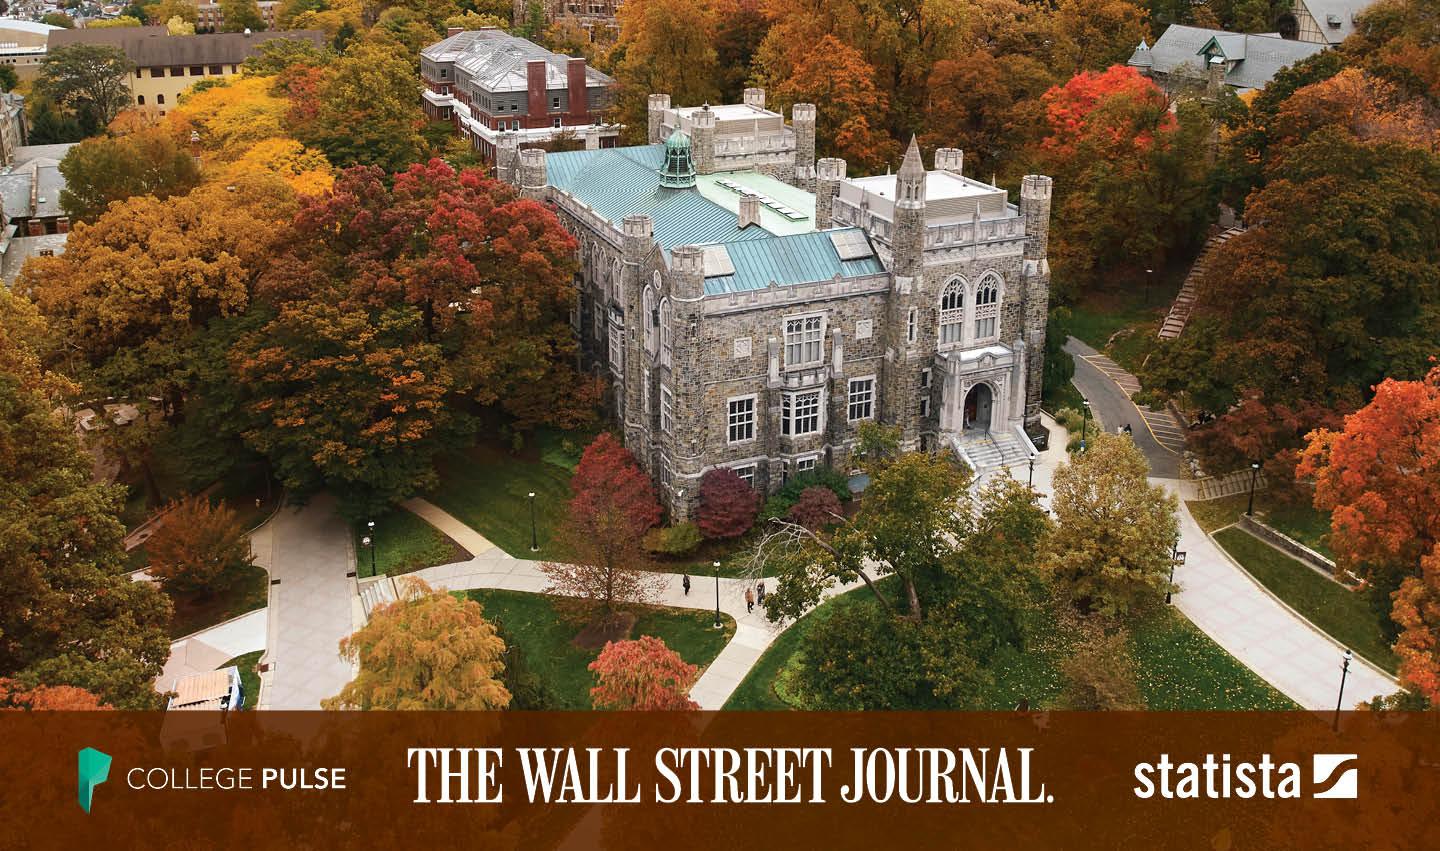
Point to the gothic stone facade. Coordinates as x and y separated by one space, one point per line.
936 325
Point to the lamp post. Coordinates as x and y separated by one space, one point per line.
1149 277
1254 474
370 542
1032 470
1177 558
534 539
1084 429
1340 700
718 625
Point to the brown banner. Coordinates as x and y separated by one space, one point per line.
707 780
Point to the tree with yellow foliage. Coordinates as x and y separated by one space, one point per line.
231 117
305 169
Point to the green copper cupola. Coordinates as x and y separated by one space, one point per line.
679 170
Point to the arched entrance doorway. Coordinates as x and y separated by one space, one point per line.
977 408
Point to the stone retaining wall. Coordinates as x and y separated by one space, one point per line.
1290 547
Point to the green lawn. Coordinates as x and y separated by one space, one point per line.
486 489
1180 668
404 543
531 622
192 614
249 676
1297 519
1344 615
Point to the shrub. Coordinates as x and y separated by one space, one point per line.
727 504
784 499
677 540
817 508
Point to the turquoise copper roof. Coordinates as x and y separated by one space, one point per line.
804 258
620 182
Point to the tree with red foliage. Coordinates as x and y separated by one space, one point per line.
817 507
1380 480
14 696
642 675
611 507
727 505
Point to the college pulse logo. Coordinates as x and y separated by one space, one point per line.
1333 775
94 769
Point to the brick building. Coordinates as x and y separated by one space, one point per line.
596 17
752 307
211 17
489 82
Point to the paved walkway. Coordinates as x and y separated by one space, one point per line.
210 648
1217 594
1271 640
309 550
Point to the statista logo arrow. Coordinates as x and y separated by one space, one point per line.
1330 781
94 769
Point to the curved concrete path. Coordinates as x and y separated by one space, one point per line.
212 647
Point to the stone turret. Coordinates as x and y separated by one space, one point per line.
507 159
802 120
532 173
658 105
687 441
637 243
1035 193
828 174
702 139
910 298
908 240
755 98
1215 77
950 159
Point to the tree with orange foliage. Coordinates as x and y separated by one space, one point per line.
642 675
1417 613
1380 479
664 46
611 508
199 548
836 75
15 696
1368 107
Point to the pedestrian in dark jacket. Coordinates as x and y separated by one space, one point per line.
685 583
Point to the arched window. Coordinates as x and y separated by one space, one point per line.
617 291
665 320
140 100
987 308
651 319
160 99
952 312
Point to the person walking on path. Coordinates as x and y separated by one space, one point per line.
760 593
685 583
749 600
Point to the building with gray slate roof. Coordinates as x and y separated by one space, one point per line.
1327 22
752 307
33 222
1183 57
488 82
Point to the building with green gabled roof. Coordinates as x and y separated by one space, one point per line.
752 308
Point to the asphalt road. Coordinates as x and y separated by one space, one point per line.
1110 405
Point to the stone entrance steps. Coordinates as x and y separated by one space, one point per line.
990 451
1179 315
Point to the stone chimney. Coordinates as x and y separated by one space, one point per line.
749 211
950 159
828 172
657 106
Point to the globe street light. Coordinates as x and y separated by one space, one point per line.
1086 427
1032 470
1339 701
370 542
1149 277
1254 474
718 625
534 539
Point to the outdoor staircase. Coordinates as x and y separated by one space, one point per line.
376 591
1179 315
991 451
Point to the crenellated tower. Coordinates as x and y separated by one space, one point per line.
909 325
657 106
532 174
687 440
802 120
828 174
